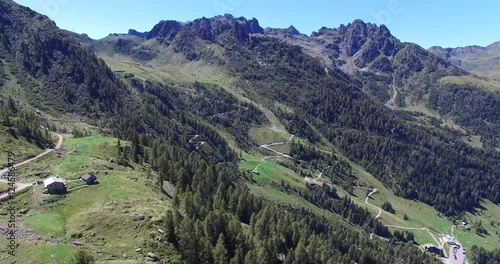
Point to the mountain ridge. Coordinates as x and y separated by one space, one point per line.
483 61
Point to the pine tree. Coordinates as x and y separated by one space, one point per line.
238 257
220 251
175 200
170 229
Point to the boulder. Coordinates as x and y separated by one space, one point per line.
137 217
152 256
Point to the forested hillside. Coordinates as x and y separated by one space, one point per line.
401 75
420 163
55 72
424 163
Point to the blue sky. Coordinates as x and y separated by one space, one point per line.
444 22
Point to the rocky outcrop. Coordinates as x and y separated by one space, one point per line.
136 33
165 30
368 38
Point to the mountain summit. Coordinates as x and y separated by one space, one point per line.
208 28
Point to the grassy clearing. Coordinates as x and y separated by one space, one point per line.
486 84
278 197
282 148
490 217
265 135
48 224
41 253
98 216
271 173
284 107
269 178
474 141
4 187
6 69
180 72
186 71
88 154
422 215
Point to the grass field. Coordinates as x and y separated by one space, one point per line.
486 84
265 135
267 184
42 253
474 141
98 216
270 172
285 148
422 215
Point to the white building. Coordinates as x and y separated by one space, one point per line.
55 185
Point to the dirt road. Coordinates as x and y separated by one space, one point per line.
268 147
22 186
374 206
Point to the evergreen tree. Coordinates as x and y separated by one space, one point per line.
220 251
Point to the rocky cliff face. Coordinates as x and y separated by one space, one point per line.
136 33
208 28
368 38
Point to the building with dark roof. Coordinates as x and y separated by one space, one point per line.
89 179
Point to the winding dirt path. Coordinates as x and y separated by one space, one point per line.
373 191
268 147
439 242
374 206
21 186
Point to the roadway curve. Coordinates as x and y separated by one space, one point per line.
22 186
268 147
374 206
373 191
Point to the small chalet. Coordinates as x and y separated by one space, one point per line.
55 185
89 179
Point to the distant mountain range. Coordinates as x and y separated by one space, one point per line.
483 61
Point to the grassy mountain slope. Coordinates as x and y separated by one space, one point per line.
279 77
56 73
270 71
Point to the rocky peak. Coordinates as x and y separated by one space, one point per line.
292 30
370 39
165 29
210 28
136 33
207 28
